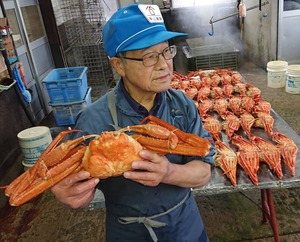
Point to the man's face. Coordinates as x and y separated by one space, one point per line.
139 78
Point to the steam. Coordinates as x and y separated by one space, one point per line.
195 21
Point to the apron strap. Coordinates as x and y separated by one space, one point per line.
112 108
149 222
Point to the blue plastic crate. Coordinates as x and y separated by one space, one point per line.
66 84
66 113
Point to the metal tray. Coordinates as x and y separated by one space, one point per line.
267 179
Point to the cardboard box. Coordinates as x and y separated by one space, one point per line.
3 21
3 66
9 46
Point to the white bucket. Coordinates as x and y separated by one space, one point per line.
277 73
26 166
33 142
293 79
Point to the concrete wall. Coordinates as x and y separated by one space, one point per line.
260 33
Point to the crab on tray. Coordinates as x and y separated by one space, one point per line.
242 123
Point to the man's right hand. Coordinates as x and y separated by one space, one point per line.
76 190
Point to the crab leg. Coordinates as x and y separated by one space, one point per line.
17 183
58 154
288 150
33 173
227 160
248 163
191 139
166 138
248 157
56 171
213 126
24 180
265 121
247 121
269 153
162 147
155 131
40 185
77 155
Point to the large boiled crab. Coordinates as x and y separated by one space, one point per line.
108 154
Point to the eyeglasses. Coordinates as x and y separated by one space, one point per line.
150 59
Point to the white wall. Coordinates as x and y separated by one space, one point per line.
260 33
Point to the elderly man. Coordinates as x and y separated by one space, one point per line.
153 201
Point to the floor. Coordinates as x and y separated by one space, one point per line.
228 217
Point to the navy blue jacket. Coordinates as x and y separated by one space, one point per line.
127 198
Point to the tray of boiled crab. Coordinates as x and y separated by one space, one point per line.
254 145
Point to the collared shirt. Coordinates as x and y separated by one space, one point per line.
140 109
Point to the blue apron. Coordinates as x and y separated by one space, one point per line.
177 221
182 224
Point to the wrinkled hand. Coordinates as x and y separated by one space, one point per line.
76 190
151 171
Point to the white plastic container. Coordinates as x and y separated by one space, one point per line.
293 79
26 166
277 73
33 142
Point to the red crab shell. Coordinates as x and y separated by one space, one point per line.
111 154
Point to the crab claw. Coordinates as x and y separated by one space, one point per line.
58 154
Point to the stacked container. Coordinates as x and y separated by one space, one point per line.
293 79
277 73
68 92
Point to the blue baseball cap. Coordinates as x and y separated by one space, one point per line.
135 27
